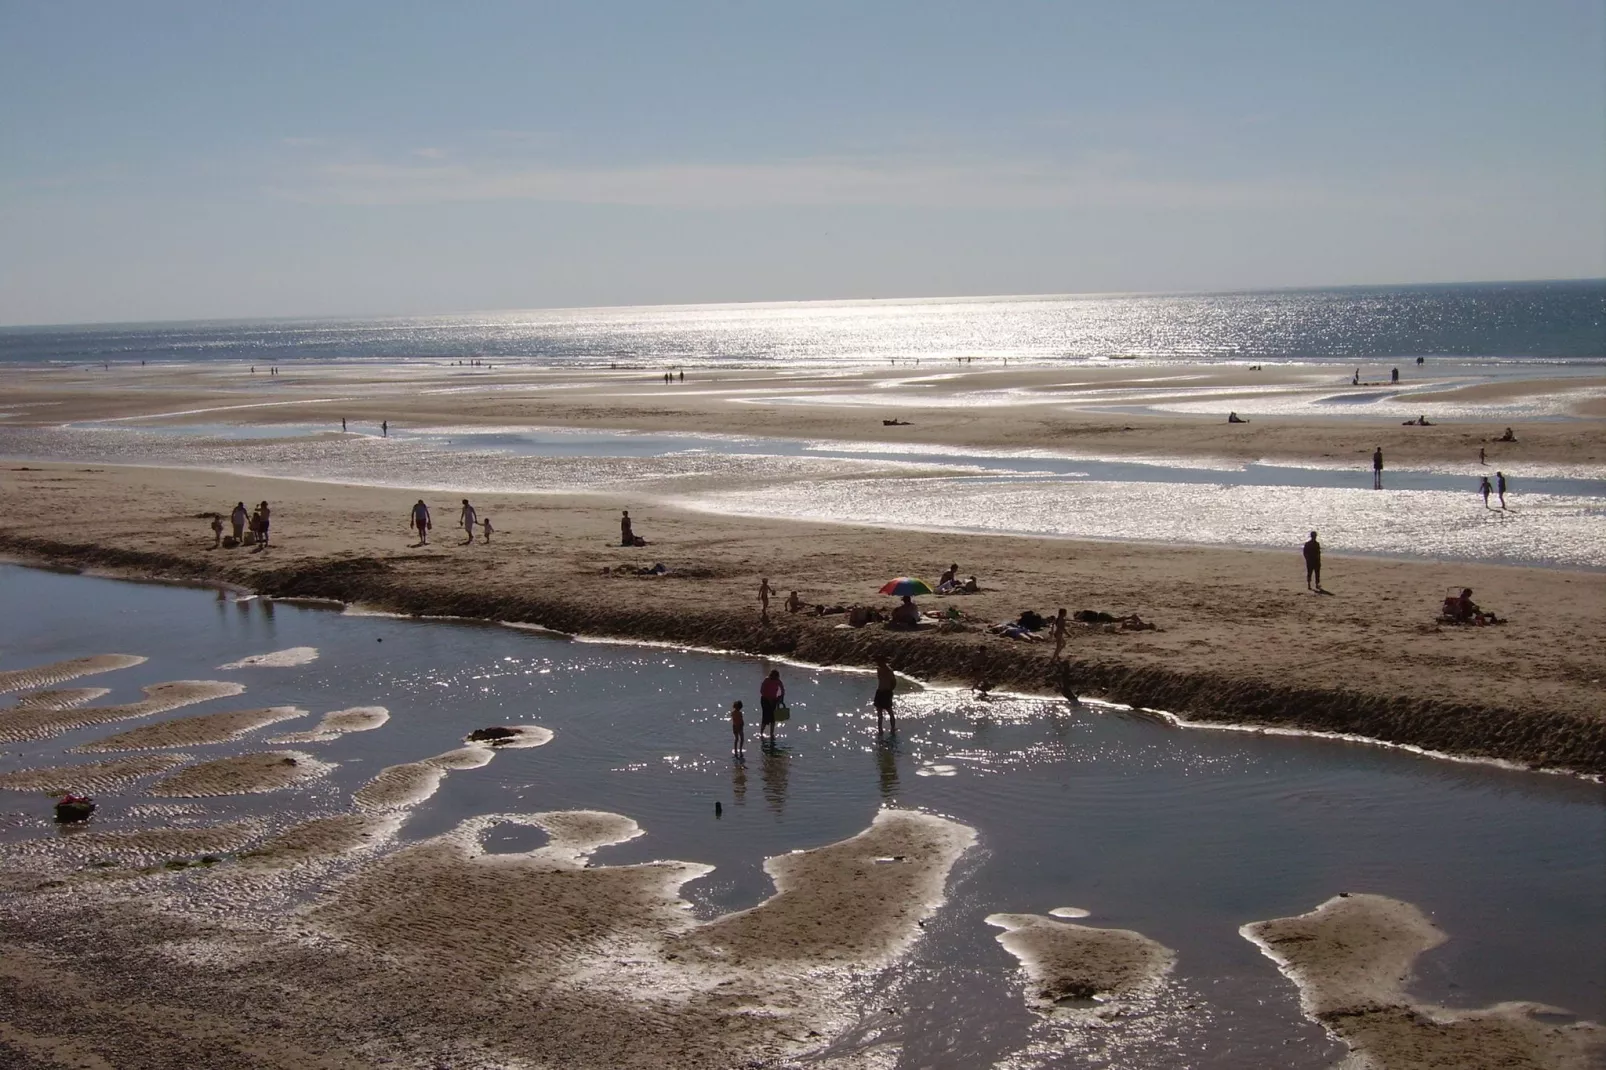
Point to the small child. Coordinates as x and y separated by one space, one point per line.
485 526
739 745
217 528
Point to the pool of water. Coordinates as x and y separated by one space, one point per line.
1180 834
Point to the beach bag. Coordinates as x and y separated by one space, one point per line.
783 712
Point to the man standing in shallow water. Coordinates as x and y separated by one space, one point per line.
886 682
1377 468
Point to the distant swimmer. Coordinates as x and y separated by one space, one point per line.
1377 468
468 517
1313 564
419 519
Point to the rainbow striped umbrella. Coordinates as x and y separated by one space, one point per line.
906 585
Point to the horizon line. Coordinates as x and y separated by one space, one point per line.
777 302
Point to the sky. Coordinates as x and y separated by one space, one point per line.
200 160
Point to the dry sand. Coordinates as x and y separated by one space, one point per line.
1351 958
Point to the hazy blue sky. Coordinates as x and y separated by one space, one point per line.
163 160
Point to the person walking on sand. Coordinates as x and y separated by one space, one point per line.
1313 564
217 530
771 693
1059 633
467 517
1377 468
419 519
1500 487
764 592
1485 489
384 428
237 520
886 682
738 728
486 529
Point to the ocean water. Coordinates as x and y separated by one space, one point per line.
1180 834
1487 325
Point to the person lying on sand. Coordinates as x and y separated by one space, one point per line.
859 616
823 610
1012 630
970 587
895 423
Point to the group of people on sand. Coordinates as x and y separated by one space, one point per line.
248 528
773 709
468 518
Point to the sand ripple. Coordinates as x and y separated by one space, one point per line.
278 659
57 671
93 777
24 722
324 837
64 698
241 774
406 785
171 841
337 723
1351 958
194 731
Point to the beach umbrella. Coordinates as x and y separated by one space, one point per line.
906 585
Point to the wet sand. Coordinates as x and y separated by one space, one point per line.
1082 962
241 775
194 731
26 721
1352 958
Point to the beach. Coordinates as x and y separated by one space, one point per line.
385 930
1238 638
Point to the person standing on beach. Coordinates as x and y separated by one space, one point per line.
217 530
342 425
738 728
1059 633
1500 487
384 428
237 520
420 519
1394 375
1481 459
467 517
1377 468
1485 489
262 531
1313 564
627 537
764 592
771 693
886 682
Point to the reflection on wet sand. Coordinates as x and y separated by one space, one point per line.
774 766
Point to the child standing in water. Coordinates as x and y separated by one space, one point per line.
738 728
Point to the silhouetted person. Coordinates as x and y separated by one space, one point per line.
764 592
419 518
738 728
342 425
1313 564
886 682
1394 375
771 693
467 517
217 530
1059 634
1485 489
237 520
1377 468
1500 487
1508 436
1481 456
267 516
384 428
627 535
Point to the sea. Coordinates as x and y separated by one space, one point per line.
1509 325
